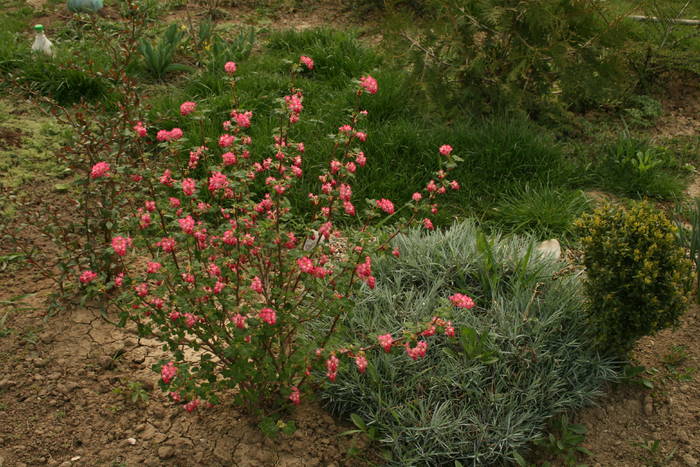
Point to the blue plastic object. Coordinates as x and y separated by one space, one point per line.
85 6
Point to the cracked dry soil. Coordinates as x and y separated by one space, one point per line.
64 402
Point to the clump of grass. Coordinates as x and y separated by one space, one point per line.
544 210
522 356
634 168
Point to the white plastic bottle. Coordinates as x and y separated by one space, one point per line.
41 43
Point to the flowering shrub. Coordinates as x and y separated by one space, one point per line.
216 262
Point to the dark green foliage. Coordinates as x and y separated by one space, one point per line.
544 210
490 54
637 274
158 60
632 167
523 353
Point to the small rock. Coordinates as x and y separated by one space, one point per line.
131 441
648 405
550 248
166 452
140 427
65 464
75 458
689 460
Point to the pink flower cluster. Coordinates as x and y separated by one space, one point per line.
172 135
364 272
230 67
418 351
87 276
307 61
386 206
462 301
101 169
369 84
120 244
332 367
268 315
168 372
140 129
188 107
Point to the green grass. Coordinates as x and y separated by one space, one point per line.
544 210
632 167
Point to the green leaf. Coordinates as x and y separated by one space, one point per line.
359 423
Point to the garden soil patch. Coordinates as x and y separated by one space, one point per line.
622 431
64 400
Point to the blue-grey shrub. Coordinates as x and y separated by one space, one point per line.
449 406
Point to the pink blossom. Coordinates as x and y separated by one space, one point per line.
345 129
141 289
87 276
369 84
175 134
192 405
101 169
361 362
307 61
190 320
256 285
140 129
152 267
345 192
385 205
230 238
350 166
268 315
174 315
445 149
428 332
305 264
187 224
166 179
167 244
120 244
168 372
416 197
217 181
174 202
189 186
119 280
364 269
238 320
361 159
294 104
230 67
187 108
361 136
386 341
418 351
462 301
349 208
449 329
428 224
396 252
187 277
145 220
295 396
229 158
226 140
175 396
332 367
242 118
454 184
431 186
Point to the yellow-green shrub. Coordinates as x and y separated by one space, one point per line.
637 273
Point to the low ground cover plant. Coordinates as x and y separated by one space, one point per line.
522 354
